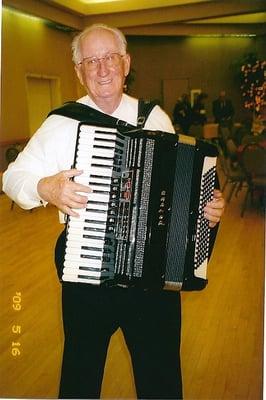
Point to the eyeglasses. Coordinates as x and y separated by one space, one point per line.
110 60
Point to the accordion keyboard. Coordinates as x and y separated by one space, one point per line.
90 241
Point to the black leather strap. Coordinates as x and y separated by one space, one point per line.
84 113
144 109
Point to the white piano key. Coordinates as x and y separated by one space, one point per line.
86 261
85 129
81 232
95 197
107 172
93 179
103 152
99 186
90 262
99 197
89 243
80 223
97 206
88 179
91 248
75 251
101 144
76 259
79 251
83 241
74 262
104 135
91 154
104 173
91 206
86 139
83 181
101 161
83 157
74 278
96 216
73 244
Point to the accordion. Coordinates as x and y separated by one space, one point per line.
143 225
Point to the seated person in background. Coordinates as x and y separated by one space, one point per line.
182 114
223 110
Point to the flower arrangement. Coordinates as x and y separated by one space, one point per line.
253 84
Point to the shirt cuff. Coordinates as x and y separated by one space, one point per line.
29 194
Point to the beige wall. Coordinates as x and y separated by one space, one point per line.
30 47
204 61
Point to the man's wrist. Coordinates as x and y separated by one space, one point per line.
40 191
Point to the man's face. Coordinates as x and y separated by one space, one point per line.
104 83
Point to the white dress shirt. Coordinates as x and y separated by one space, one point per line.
51 150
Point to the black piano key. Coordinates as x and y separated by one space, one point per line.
99 184
92 248
96 211
94 237
101 166
94 221
97 202
87 228
101 191
99 176
90 257
93 269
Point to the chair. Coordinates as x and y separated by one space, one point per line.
11 154
224 132
231 150
196 131
253 161
234 175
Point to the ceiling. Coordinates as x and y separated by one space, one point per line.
153 17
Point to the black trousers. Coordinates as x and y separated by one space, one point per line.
150 322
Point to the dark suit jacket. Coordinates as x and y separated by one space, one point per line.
222 110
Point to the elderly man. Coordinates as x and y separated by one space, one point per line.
149 319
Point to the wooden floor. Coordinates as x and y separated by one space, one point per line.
222 339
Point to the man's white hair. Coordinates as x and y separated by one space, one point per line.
122 42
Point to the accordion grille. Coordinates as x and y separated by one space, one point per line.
177 237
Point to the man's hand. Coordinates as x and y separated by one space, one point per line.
62 192
214 210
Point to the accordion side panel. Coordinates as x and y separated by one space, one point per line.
198 237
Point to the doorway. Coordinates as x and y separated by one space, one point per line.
43 93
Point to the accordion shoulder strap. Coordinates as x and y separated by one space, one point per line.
144 109
84 113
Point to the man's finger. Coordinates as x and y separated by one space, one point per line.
70 173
